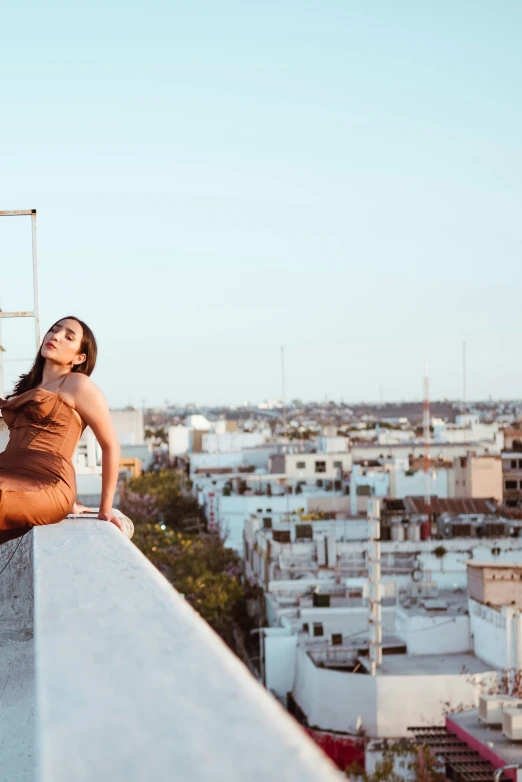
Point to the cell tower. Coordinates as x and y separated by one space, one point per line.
426 527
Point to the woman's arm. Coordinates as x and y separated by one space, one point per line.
90 402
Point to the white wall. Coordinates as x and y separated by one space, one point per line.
490 633
230 442
129 426
333 700
403 701
232 512
392 436
345 620
206 460
336 444
280 648
197 421
378 480
178 440
387 705
404 485
433 634
308 471
360 452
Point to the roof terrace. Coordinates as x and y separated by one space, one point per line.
107 673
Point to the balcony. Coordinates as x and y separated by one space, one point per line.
106 673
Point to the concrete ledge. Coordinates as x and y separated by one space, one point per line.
130 683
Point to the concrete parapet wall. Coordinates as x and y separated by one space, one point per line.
130 683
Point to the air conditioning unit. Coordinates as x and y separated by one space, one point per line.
512 722
491 708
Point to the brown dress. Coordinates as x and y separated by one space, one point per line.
37 478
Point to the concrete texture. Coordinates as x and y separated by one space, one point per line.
17 681
17 710
128 682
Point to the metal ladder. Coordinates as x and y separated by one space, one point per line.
35 312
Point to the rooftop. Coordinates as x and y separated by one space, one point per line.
431 664
495 746
107 673
500 565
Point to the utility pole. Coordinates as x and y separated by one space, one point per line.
283 389
374 578
427 455
463 377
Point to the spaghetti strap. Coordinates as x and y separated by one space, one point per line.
62 380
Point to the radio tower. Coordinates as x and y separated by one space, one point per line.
426 527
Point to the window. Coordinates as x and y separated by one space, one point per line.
520 464
320 466
267 522
281 535
338 465
321 600
306 628
511 485
337 639
260 510
514 464
318 628
301 465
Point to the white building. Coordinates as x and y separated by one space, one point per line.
230 442
178 440
312 466
377 481
129 426
332 444
415 450
317 659
330 550
469 429
231 512
412 483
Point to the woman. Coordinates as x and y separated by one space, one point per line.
46 415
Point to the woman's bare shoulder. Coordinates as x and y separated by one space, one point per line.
78 384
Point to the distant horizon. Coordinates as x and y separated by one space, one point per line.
231 405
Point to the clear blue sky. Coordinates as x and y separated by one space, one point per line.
217 179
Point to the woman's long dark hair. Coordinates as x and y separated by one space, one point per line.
88 346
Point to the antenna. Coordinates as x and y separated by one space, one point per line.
427 455
283 389
463 377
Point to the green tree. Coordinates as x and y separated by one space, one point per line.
160 496
401 760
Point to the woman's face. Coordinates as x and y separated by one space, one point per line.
62 343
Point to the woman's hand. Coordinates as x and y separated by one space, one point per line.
123 523
78 507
